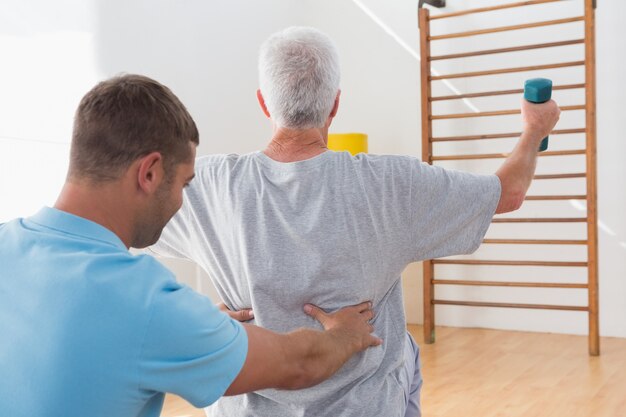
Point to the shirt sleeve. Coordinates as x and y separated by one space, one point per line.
450 210
191 349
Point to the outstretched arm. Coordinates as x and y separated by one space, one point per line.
517 171
304 357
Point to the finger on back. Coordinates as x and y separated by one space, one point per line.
315 312
364 306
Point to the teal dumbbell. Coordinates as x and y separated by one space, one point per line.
538 90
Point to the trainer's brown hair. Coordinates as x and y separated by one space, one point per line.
124 118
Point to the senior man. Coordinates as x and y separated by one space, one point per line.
88 329
297 222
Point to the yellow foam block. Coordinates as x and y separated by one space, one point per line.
352 142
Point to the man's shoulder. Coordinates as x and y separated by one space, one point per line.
383 159
385 164
213 161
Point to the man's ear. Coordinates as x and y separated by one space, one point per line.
259 97
333 112
150 173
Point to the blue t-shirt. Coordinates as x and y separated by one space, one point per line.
88 329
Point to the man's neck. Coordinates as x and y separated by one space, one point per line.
290 145
102 204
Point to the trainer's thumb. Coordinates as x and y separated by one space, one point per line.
315 312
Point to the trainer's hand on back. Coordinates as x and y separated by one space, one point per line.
351 322
538 119
239 315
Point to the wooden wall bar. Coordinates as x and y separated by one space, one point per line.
589 193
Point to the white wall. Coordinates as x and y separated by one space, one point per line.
206 52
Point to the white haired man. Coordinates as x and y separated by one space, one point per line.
296 222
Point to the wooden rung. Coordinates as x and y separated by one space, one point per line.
559 176
504 263
503 155
507 70
540 220
505 50
478 114
496 113
507 284
491 8
554 197
507 28
501 135
510 305
501 93
535 241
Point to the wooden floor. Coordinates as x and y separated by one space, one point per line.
492 373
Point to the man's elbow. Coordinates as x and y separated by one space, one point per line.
510 201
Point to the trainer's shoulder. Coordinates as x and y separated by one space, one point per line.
141 271
3 226
12 229
149 264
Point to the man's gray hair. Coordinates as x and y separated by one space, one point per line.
299 77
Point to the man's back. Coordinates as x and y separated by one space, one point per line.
81 319
332 230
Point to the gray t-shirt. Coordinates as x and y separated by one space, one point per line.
333 230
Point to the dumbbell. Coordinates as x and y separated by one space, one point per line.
538 90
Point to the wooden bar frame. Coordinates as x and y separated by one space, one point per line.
560 176
511 305
536 241
508 70
508 284
555 197
589 176
539 220
427 148
496 113
592 198
503 135
507 28
492 262
504 155
510 49
492 8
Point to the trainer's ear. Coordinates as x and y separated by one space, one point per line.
259 97
150 173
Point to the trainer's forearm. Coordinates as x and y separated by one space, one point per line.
516 174
315 356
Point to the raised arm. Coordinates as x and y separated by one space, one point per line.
517 171
304 357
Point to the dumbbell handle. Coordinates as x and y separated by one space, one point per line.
539 90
